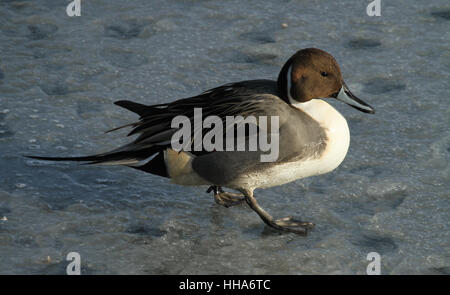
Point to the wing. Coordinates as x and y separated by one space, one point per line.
245 98
235 99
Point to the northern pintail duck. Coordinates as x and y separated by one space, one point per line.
313 136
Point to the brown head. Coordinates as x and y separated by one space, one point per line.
312 73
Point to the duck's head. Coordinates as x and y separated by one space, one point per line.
312 73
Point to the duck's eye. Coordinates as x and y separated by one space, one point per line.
324 74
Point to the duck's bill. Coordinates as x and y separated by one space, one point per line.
345 95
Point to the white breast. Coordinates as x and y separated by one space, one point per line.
338 135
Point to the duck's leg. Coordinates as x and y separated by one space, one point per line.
225 199
286 224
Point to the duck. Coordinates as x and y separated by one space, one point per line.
312 136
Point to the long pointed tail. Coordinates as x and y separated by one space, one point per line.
129 154
121 156
80 159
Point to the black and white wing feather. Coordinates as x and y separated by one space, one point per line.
154 126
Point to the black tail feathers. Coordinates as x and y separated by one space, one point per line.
79 159
122 156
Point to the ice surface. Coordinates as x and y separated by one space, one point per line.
59 77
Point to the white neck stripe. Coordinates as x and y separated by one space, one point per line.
288 78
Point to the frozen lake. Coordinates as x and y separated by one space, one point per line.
59 77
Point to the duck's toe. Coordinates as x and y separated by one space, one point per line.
228 199
291 224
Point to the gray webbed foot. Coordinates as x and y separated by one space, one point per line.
291 225
225 199
288 224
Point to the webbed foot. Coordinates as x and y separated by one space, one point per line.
226 199
288 224
291 225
